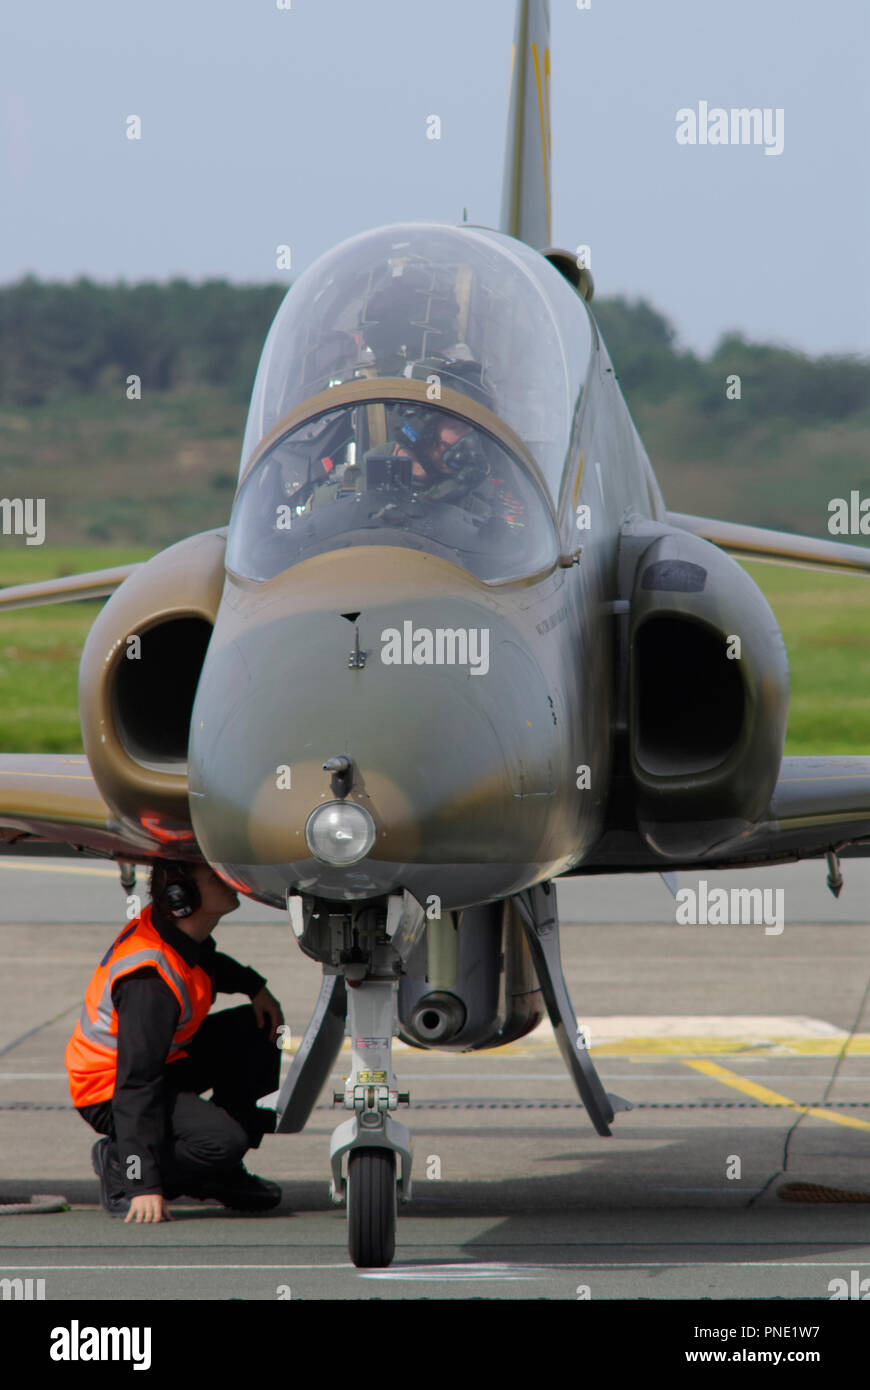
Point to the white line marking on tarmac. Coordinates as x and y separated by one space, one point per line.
441 1273
432 1273
473 1271
609 1075
114 1269
33 1076
719 1264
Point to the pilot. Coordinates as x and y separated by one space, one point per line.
438 458
423 435
144 1050
452 463
424 439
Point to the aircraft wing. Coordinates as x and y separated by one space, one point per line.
820 805
775 547
50 804
94 584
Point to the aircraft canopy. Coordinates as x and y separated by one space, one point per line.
467 308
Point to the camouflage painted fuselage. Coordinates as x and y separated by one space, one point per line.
482 778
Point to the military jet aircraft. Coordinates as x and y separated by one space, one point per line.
451 646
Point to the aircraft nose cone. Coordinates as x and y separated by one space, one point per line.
419 698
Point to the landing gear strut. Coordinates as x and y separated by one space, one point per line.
362 952
371 1139
537 907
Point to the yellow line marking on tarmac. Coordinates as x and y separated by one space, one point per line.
59 869
763 1093
650 1049
55 776
647 1039
704 1046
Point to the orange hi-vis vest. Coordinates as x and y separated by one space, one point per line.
92 1052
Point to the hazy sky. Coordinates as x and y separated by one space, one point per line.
304 126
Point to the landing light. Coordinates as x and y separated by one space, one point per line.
339 833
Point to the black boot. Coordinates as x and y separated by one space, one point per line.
106 1165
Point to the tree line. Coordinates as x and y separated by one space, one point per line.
775 382
58 340
64 339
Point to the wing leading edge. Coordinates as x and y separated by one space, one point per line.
50 803
94 584
775 547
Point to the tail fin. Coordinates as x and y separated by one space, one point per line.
525 208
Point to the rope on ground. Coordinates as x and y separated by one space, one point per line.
37 1205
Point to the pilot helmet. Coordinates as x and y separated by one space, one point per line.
418 428
466 451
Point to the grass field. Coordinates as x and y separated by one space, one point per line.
825 620
124 473
40 649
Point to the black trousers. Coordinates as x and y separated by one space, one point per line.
234 1058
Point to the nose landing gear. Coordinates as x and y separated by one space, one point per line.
371 1138
363 951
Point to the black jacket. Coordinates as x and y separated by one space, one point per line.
148 1014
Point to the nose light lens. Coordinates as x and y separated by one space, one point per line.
339 833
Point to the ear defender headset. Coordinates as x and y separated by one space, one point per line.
176 889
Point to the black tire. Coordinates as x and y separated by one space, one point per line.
371 1207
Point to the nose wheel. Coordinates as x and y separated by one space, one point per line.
371 1207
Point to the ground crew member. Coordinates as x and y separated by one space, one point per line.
144 1050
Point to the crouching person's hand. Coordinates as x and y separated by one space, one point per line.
153 1206
267 1012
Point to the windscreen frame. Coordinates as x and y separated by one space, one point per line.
401 391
